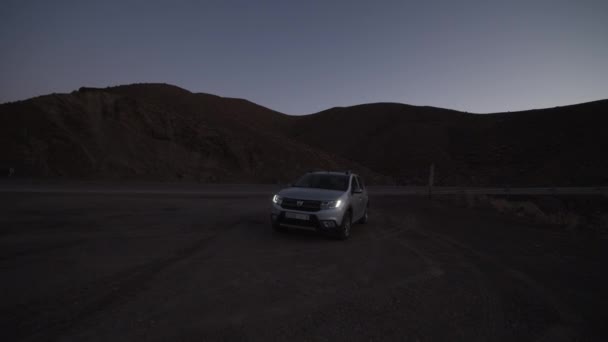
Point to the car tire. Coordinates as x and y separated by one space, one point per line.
346 226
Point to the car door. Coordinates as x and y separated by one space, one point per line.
357 199
364 196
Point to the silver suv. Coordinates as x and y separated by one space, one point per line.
328 202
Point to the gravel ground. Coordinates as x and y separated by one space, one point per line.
181 267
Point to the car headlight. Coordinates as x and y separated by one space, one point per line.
331 204
276 199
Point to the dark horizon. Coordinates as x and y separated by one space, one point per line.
320 111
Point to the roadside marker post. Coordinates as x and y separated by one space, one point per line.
431 179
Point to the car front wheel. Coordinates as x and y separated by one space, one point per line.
346 225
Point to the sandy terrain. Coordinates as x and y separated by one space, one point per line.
174 266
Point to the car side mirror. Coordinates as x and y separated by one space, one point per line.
357 191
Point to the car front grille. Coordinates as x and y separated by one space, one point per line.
305 205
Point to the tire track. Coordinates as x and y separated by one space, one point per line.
43 249
76 309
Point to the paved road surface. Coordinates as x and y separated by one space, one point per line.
172 266
108 187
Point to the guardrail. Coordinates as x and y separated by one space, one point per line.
453 190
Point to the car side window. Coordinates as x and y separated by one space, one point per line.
354 184
360 181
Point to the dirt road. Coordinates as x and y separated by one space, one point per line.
182 267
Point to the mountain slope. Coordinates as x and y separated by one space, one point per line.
153 132
556 146
162 132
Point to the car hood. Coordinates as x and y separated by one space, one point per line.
311 194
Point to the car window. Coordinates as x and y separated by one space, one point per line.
323 181
354 184
360 181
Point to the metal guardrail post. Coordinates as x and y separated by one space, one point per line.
431 179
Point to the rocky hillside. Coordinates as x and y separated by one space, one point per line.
154 132
556 146
162 132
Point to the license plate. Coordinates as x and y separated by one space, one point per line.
297 216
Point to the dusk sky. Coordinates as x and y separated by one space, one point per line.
301 57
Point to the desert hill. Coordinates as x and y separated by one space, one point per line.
153 132
162 132
555 146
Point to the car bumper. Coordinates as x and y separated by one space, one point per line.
327 220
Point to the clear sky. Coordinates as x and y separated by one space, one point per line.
304 56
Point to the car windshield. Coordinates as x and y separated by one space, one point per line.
323 181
